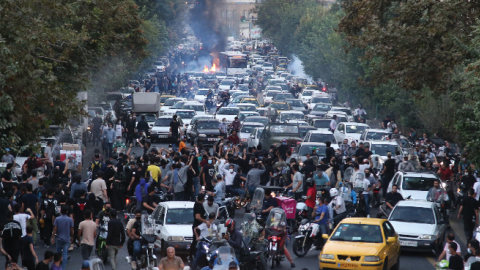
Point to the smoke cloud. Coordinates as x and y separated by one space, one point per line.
206 28
296 66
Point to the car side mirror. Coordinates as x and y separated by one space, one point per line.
391 240
325 236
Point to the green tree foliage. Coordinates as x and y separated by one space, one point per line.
50 50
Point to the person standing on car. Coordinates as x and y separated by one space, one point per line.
469 209
115 238
235 125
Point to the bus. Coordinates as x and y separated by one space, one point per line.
233 62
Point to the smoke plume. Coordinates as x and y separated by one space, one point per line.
296 66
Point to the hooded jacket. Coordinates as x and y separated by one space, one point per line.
138 190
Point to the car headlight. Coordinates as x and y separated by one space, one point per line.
243 140
426 237
175 238
328 256
371 258
153 132
202 135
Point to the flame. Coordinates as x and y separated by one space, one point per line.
214 68
205 69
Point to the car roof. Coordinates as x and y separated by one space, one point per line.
321 131
420 174
383 142
192 103
183 110
341 108
367 221
416 203
312 144
377 130
252 124
177 204
291 111
354 124
246 104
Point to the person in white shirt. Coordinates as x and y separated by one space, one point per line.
229 175
22 218
476 188
337 204
204 230
333 123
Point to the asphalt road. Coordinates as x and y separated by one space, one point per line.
409 260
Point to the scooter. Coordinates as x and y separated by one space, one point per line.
307 232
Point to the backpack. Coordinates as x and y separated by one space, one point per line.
94 167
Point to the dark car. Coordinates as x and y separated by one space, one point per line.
320 109
205 131
276 132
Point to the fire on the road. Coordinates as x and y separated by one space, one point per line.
212 69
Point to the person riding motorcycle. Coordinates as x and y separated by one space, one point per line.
337 204
360 113
233 237
256 233
438 195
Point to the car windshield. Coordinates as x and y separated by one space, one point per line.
243 87
248 128
250 101
292 116
150 117
282 96
246 108
383 149
357 233
280 106
227 82
417 183
229 111
308 149
267 64
322 138
322 108
196 118
307 94
347 111
185 115
127 90
284 129
271 93
195 107
171 102
375 135
412 214
163 99
163 122
257 120
208 125
202 92
179 216
178 105
322 124
356 129
295 103
320 100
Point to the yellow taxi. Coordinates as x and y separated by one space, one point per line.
163 98
253 101
361 243
311 87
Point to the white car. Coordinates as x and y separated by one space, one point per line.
374 134
159 66
319 99
161 130
284 116
419 225
254 139
225 84
273 87
413 184
246 131
319 136
229 113
173 110
267 66
382 148
199 108
201 94
186 115
169 103
345 110
349 130
268 97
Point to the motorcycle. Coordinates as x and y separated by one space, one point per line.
147 259
256 204
307 232
101 250
222 258
251 259
276 233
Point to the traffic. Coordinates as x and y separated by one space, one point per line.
237 165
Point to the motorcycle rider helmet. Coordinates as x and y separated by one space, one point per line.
230 223
333 192
251 217
310 182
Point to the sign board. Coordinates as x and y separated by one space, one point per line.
256 32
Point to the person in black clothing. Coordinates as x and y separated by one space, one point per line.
143 125
130 130
468 179
199 217
4 208
115 237
269 203
367 153
11 235
7 178
47 258
329 151
175 129
393 197
79 206
283 148
150 201
387 172
208 171
469 209
360 153
455 262
29 258
48 211
136 234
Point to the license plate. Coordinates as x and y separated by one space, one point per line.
212 139
162 136
274 247
409 243
347 265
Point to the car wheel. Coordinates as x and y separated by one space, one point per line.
385 264
397 264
